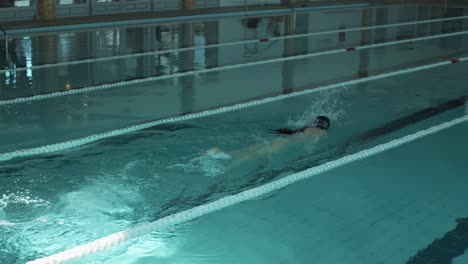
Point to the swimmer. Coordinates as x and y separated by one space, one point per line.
307 134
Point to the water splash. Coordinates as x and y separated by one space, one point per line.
13 205
107 201
4 222
21 198
326 103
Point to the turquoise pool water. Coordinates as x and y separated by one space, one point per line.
124 181
380 210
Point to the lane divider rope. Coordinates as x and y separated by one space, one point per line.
61 146
150 53
218 69
198 211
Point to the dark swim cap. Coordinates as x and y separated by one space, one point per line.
322 122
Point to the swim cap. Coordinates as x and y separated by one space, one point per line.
322 122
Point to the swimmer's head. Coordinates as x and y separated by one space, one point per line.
322 122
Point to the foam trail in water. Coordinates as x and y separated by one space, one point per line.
211 163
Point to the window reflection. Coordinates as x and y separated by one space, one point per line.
20 56
27 48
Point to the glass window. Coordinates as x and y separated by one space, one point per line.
20 3
69 2
15 3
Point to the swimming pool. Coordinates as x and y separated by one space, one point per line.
79 115
380 210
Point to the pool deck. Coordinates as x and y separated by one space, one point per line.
25 24
36 23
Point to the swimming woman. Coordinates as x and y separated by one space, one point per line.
307 134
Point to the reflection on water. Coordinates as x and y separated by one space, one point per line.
101 43
21 55
122 41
